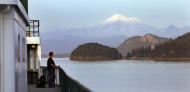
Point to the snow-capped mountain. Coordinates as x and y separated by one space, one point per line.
113 26
121 18
111 32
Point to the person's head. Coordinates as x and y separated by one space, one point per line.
50 54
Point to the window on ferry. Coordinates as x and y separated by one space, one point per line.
19 48
23 49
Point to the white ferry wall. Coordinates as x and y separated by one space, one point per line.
9 1
13 64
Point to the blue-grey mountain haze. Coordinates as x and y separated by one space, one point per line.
111 33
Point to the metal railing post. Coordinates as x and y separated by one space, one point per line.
57 77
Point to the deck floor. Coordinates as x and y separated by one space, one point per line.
32 88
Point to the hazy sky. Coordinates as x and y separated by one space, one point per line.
65 14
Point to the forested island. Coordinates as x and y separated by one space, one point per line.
94 52
174 50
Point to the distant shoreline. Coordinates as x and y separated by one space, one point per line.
59 55
159 59
98 58
133 58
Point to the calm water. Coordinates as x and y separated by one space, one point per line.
129 76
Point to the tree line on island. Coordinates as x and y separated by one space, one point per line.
177 49
95 51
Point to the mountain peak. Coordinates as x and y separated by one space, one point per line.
121 18
172 27
149 35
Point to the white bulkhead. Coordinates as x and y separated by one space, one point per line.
9 1
13 63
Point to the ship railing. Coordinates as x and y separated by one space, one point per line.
66 83
34 29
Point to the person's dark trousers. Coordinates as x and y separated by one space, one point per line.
51 77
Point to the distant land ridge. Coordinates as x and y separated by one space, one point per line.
174 50
140 41
57 55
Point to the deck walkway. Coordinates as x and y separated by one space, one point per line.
32 88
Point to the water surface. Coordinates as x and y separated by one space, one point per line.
128 76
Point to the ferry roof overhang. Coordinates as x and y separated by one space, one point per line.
19 7
33 40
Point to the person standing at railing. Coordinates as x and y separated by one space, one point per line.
51 70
